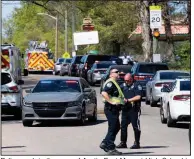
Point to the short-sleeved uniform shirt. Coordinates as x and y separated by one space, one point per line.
112 91
131 91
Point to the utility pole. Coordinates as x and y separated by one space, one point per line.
56 40
66 31
73 28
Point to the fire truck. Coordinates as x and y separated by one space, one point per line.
38 58
11 60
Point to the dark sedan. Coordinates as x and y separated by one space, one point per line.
123 70
60 98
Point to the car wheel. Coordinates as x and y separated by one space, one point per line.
83 117
27 123
94 116
170 121
147 102
163 120
190 133
152 102
18 115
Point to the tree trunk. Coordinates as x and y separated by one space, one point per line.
169 36
146 31
116 48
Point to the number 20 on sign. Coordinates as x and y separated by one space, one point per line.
155 17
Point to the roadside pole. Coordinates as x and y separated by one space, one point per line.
155 25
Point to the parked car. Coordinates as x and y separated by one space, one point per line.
175 102
88 60
11 94
123 70
57 66
73 67
60 98
65 66
164 77
142 72
97 71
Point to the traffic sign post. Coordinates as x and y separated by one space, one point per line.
155 25
155 17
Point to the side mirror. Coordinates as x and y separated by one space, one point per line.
87 90
20 82
28 90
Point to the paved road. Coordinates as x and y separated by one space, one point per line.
70 139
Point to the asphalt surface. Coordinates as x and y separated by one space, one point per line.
67 138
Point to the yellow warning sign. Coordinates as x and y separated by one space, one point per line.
155 7
66 55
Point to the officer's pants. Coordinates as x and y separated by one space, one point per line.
113 127
130 116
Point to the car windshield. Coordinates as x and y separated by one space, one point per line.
172 75
68 61
104 65
61 60
78 59
57 86
5 78
124 69
185 85
151 68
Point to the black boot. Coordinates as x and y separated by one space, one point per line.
135 146
114 152
104 147
122 145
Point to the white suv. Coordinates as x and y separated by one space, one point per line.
11 94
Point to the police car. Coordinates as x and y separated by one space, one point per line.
175 102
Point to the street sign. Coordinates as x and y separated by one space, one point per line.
66 55
156 58
155 17
86 38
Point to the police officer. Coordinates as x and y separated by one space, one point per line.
131 111
111 110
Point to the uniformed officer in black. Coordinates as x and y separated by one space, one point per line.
111 111
131 111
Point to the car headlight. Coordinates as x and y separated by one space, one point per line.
71 104
27 104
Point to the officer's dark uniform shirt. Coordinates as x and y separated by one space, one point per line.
112 91
131 91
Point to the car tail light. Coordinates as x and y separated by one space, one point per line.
158 85
14 89
182 97
139 77
161 84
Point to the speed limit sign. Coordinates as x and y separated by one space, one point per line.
155 17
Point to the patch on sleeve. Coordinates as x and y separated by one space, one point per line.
139 87
109 84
